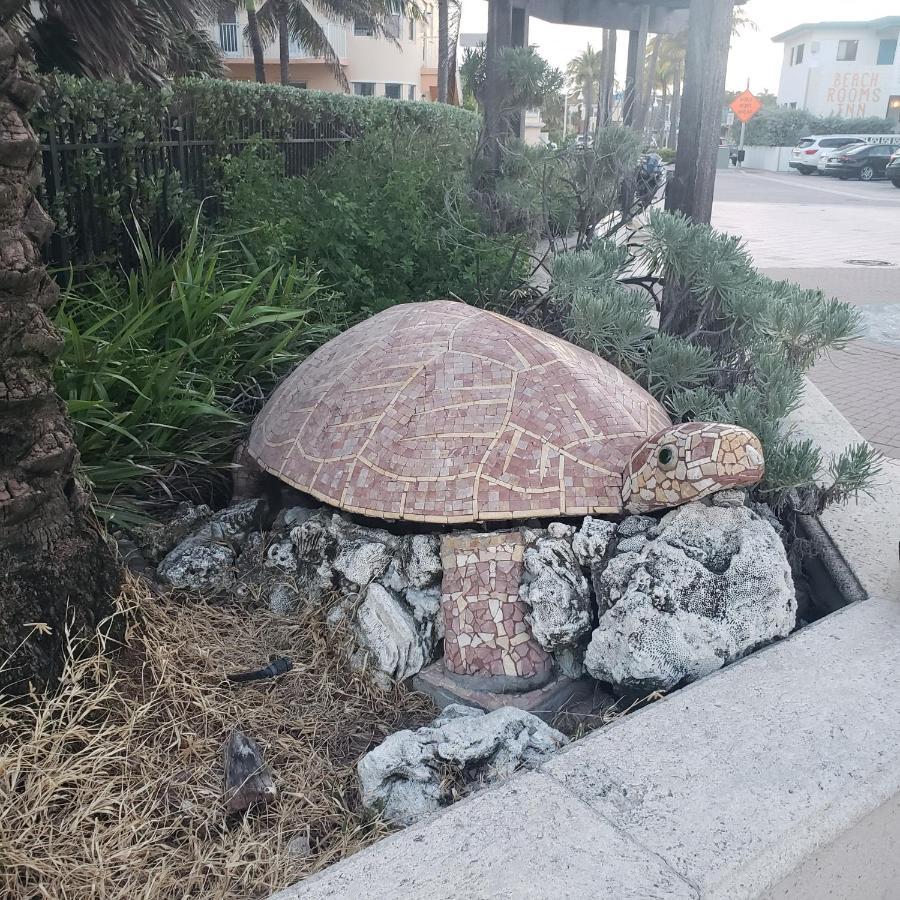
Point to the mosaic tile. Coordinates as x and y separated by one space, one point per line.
485 632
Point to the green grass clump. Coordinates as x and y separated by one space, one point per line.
164 367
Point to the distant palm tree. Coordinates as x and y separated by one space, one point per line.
670 65
293 20
143 40
584 72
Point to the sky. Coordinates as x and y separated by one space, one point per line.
753 55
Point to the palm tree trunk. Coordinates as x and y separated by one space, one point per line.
284 44
607 77
588 90
650 86
55 566
443 49
256 45
676 108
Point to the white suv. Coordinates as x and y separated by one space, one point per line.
805 156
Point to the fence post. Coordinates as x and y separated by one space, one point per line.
56 182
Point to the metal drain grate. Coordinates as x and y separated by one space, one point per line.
868 262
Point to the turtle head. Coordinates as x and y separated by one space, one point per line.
688 461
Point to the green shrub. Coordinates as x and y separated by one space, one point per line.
146 152
387 219
783 127
164 367
733 344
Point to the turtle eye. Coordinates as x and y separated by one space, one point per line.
666 458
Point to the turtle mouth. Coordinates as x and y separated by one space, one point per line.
747 469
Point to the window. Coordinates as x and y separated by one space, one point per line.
364 88
412 28
392 26
887 51
799 54
793 55
392 91
298 84
847 51
838 142
363 27
412 92
793 105
881 150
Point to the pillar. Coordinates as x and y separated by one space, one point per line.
634 78
709 35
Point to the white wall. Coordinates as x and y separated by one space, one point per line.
826 86
772 159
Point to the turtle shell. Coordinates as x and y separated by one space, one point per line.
441 412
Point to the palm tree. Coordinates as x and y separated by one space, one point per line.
56 571
293 20
672 51
607 77
646 101
584 71
142 40
254 38
443 49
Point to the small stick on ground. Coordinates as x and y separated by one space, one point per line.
248 780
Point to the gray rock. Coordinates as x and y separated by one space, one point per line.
730 498
632 525
231 525
555 588
155 541
405 777
633 544
713 586
391 646
360 562
198 565
282 555
592 539
419 560
292 517
283 597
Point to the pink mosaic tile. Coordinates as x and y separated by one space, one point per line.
474 416
485 632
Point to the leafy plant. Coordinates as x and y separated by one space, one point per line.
388 219
732 345
164 367
148 152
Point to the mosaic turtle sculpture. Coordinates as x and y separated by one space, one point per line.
441 412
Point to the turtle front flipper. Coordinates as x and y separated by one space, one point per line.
689 461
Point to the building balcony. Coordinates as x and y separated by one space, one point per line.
230 38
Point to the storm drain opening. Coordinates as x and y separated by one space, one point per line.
868 262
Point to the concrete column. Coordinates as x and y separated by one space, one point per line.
634 79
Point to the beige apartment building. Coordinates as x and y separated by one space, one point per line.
374 66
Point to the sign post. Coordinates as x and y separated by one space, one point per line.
745 107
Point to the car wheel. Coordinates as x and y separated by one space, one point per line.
896 182
843 177
805 171
866 173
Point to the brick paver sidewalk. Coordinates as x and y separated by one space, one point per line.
863 382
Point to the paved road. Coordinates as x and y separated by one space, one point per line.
814 230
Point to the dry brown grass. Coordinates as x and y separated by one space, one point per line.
112 787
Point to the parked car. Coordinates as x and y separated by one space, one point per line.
866 162
826 155
809 150
893 169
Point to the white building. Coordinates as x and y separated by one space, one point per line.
374 66
847 69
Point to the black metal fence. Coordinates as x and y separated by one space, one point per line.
95 187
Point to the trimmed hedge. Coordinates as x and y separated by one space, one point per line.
116 151
783 127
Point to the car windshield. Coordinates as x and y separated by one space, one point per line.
805 142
